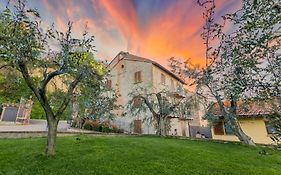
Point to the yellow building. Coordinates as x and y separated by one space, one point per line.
252 121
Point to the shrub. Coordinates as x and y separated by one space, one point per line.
88 125
74 124
37 111
115 129
96 125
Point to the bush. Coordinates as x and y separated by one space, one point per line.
74 124
106 127
95 125
115 129
88 125
37 111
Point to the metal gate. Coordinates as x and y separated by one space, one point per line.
9 113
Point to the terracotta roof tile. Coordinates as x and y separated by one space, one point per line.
251 109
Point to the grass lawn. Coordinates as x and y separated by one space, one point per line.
105 155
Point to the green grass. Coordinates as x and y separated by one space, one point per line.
105 155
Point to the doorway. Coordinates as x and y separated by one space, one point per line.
137 126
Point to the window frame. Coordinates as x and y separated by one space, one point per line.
138 77
109 84
172 84
269 129
221 129
163 79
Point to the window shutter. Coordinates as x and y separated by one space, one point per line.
136 77
163 79
139 76
218 128
109 84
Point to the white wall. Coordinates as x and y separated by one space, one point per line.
122 77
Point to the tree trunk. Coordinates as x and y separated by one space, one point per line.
52 135
244 138
162 127
158 125
167 125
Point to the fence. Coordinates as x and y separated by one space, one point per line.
202 130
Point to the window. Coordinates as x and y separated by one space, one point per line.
163 79
218 128
138 77
172 84
137 102
269 128
108 84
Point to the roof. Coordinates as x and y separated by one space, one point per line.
131 57
252 109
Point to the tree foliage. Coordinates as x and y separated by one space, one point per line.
53 56
237 54
161 104
97 103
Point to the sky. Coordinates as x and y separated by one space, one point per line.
155 29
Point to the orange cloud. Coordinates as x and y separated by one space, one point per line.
116 25
125 20
163 37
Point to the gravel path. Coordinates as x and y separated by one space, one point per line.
34 125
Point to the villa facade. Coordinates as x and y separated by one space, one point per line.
128 72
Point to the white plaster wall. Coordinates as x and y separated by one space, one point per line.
156 80
123 81
180 125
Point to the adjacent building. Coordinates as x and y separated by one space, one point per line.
253 121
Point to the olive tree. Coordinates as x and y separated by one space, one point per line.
54 56
96 103
235 57
161 105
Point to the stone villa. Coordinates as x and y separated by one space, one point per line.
127 72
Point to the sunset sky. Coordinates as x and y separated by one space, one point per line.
156 29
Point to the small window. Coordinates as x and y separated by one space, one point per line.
163 79
218 128
137 77
108 84
137 102
172 84
269 128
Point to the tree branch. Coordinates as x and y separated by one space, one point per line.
39 95
48 78
5 65
69 94
148 104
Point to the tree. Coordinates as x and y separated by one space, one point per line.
161 104
12 86
96 103
53 56
234 58
269 76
